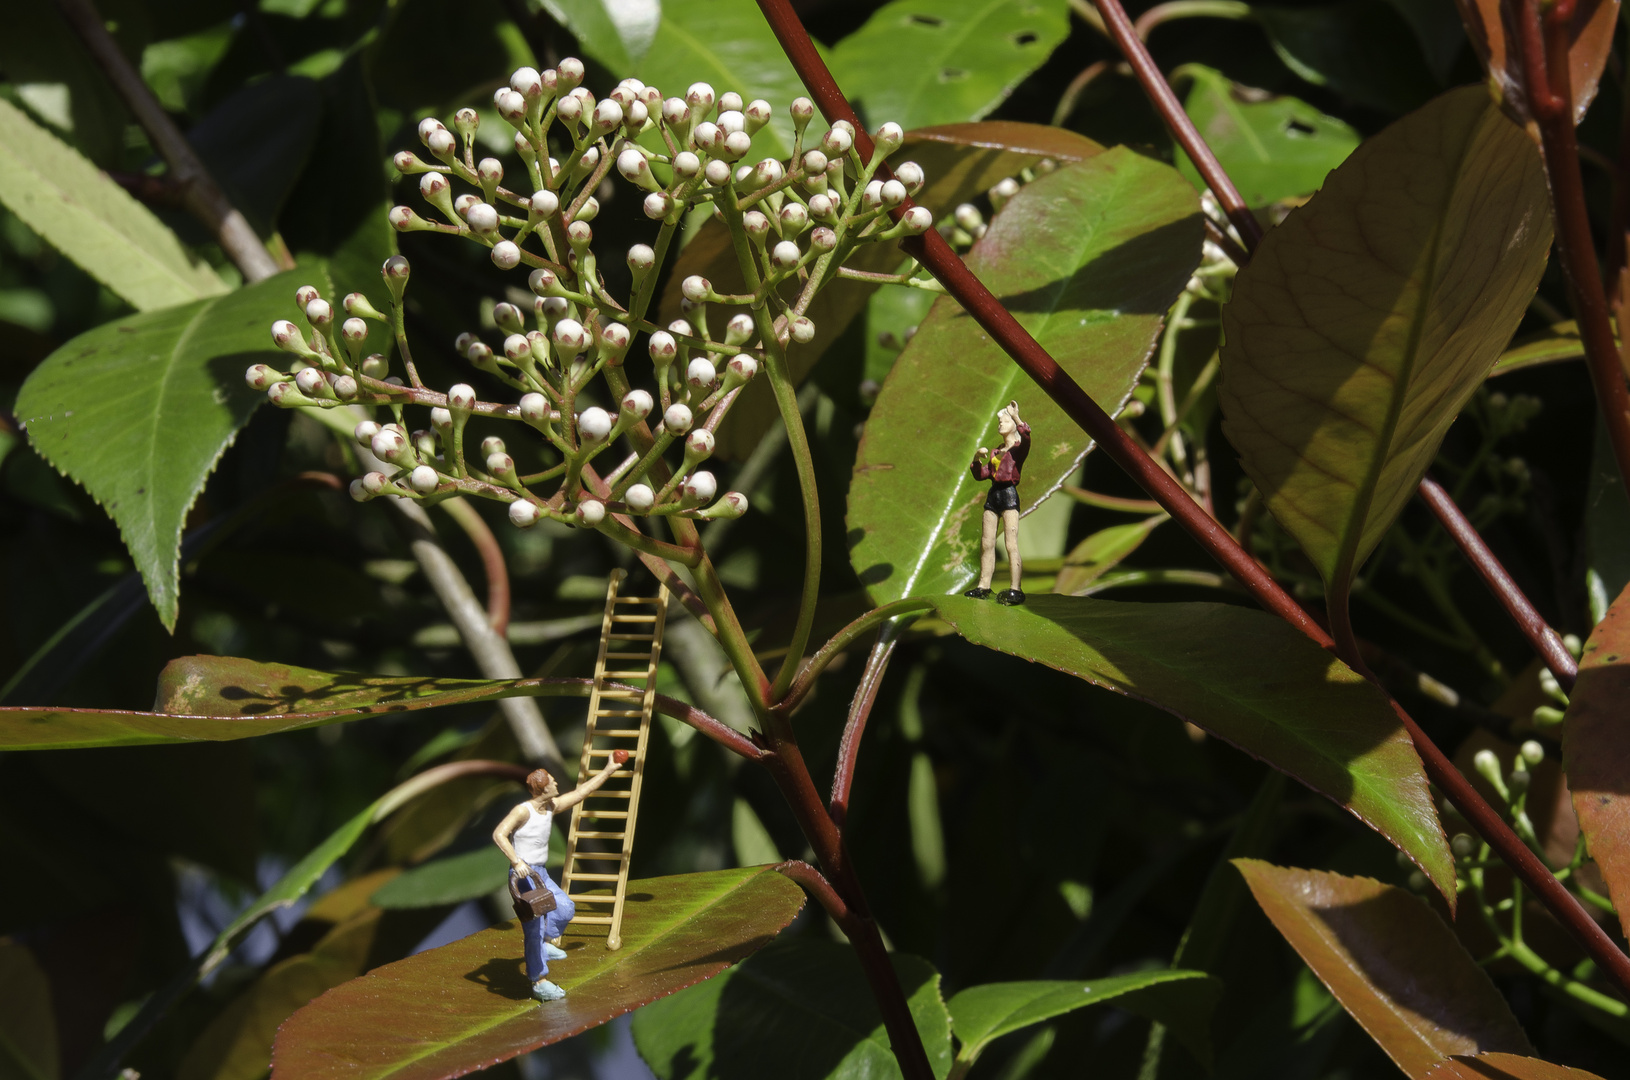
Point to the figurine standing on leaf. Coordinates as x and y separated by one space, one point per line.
1001 467
523 837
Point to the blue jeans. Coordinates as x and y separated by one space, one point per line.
536 931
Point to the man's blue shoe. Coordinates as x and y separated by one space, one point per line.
544 990
553 952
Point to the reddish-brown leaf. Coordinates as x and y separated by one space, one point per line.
465 1006
1591 34
1391 962
1506 1067
960 162
1596 749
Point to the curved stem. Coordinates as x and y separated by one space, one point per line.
492 561
934 253
1189 9
854 730
841 641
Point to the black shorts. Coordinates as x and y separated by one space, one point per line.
1003 496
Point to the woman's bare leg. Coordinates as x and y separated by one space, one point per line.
987 550
1015 565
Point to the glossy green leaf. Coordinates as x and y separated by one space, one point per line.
1505 1067
1182 1000
614 34
960 162
1362 49
1394 965
808 994
727 44
1088 258
450 880
1596 750
1366 320
463 1006
214 698
922 62
1272 146
28 1029
1101 552
94 221
1560 342
139 410
1246 677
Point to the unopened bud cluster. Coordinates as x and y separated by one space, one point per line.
796 221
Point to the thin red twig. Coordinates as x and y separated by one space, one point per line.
492 560
854 729
1546 641
932 251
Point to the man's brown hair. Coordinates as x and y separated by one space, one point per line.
538 781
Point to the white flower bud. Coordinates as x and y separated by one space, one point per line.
700 374
680 326
500 464
730 101
968 217
534 408
803 330
821 207
677 420
802 110
743 367
757 114
614 339
607 115
736 145
872 197
700 486
490 170
637 404
911 175
767 172
640 498
345 387
429 126
259 376
635 114
696 289
462 204
707 136
286 336
756 224
732 121
893 193
364 432
591 512
717 172
917 220
441 419
505 255
594 424
1004 190
785 255
441 143
483 217
542 281
794 217
888 138
311 382
569 109
374 482
686 165
354 330
527 82
522 514
662 347
635 169
403 219
700 98
738 329
359 491
641 258
319 314
543 204
836 142
424 480
553 307
822 240
388 444
517 348
460 398
657 205
1532 752
675 112
491 445
699 444
580 234
570 72
512 107
571 336
376 367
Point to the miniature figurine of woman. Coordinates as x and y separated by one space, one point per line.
1002 467
523 837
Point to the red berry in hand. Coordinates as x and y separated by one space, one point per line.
619 756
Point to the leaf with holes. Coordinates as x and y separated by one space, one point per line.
808 994
1247 678
1272 146
1088 258
467 1005
1596 750
1366 320
921 62
1590 40
94 221
1505 1067
960 162
1394 965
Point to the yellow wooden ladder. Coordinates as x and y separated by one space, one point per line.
618 716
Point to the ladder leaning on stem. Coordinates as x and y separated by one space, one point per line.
617 716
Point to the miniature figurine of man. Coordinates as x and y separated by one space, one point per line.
1001 467
523 837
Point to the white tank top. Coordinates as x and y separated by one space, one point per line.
531 840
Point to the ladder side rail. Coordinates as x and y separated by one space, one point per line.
647 703
594 705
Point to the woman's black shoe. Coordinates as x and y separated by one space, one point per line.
977 593
1010 597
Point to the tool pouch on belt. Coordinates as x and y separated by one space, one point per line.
533 903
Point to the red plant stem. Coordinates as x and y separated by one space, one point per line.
815 883
860 710
1546 641
492 560
1159 90
1550 100
932 251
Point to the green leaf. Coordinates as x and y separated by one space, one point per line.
1272 146
960 162
1560 342
727 44
28 1028
1088 258
614 35
212 698
1596 750
94 221
139 410
1101 552
1505 1067
1182 1000
451 880
256 143
1361 49
922 62
1246 677
55 76
1366 320
806 994
467 1005
1394 965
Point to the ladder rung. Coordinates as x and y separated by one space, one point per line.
619 712
603 813
634 618
584 834
593 752
600 856
614 793
645 674
628 656
622 695
617 733
634 600
631 637
592 920
596 877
